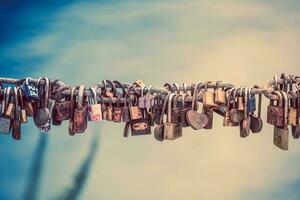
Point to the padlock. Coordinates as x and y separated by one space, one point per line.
172 131
10 108
108 93
30 90
251 102
292 110
16 124
176 117
80 113
281 133
117 112
23 115
125 111
63 108
235 114
227 121
42 114
95 109
140 127
220 94
142 99
275 113
256 123
195 119
208 97
135 112
245 123
183 111
157 108
5 123
209 114
240 99
159 129
149 98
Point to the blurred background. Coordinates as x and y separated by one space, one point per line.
245 42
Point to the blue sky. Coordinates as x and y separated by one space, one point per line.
244 42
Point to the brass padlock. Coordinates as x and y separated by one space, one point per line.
135 112
10 108
220 94
208 97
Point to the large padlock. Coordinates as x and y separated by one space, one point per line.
30 90
159 129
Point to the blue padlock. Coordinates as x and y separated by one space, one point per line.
30 90
251 102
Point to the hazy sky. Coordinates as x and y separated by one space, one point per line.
243 42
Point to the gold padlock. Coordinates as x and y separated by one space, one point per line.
208 97
10 106
220 94
23 115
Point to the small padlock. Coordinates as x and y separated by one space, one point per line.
80 114
23 115
117 115
42 114
125 111
240 100
172 131
5 123
245 123
281 133
256 123
275 113
235 114
292 110
10 108
196 120
208 97
220 94
95 109
251 102
63 108
227 121
30 90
